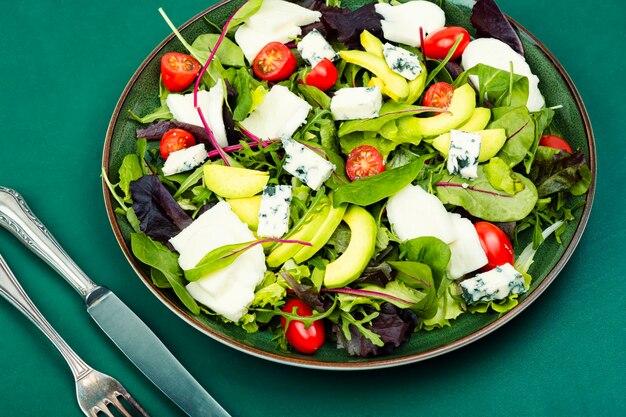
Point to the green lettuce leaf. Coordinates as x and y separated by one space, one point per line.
520 131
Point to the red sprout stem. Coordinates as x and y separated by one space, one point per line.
238 147
422 47
250 135
216 145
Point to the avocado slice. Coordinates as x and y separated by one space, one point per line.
371 44
417 85
323 234
479 120
460 110
349 266
306 232
247 209
396 86
491 141
234 182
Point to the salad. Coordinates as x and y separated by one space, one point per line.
347 176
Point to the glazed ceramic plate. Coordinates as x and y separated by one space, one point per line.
141 97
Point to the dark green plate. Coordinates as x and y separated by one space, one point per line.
141 96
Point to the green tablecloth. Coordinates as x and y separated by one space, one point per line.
64 64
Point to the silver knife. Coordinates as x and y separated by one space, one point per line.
128 332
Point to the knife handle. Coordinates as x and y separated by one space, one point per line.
18 218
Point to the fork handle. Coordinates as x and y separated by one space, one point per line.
18 218
13 292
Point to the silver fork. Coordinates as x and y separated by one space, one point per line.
95 391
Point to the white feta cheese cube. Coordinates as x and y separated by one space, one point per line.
463 154
314 48
401 61
496 284
279 115
184 159
305 164
414 212
467 254
211 102
401 23
274 211
356 103
230 290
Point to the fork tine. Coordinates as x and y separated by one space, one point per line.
131 400
104 409
117 404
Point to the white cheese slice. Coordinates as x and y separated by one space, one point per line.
402 23
463 153
496 284
275 21
279 115
497 54
413 213
356 103
211 102
314 48
184 159
305 164
229 290
467 255
274 211
401 61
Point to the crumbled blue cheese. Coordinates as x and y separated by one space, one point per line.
356 103
279 115
401 61
305 164
496 284
274 211
314 48
184 159
401 23
229 290
275 21
463 154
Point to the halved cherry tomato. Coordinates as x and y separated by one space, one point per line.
175 140
364 161
496 245
303 339
438 95
553 141
323 75
178 70
438 44
275 62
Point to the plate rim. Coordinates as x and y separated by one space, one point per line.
376 363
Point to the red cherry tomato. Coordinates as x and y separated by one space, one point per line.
438 44
305 340
438 95
175 140
364 161
553 141
178 70
275 62
323 75
496 245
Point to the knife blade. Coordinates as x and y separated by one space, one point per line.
129 333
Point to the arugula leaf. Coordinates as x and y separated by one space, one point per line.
430 251
130 170
249 8
448 308
501 88
418 276
501 176
161 113
159 257
480 199
372 189
355 139
314 96
542 119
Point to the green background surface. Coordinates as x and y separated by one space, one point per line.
64 66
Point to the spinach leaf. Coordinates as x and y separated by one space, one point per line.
161 113
130 170
430 251
480 199
246 10
388 112
520 131
501 88
356 139
244 100
229 53
542 119
372 189
418 276
314 96
157 256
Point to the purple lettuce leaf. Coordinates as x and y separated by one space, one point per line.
393 325
378 275
490 22
156 130
160 216
306 293
555 171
